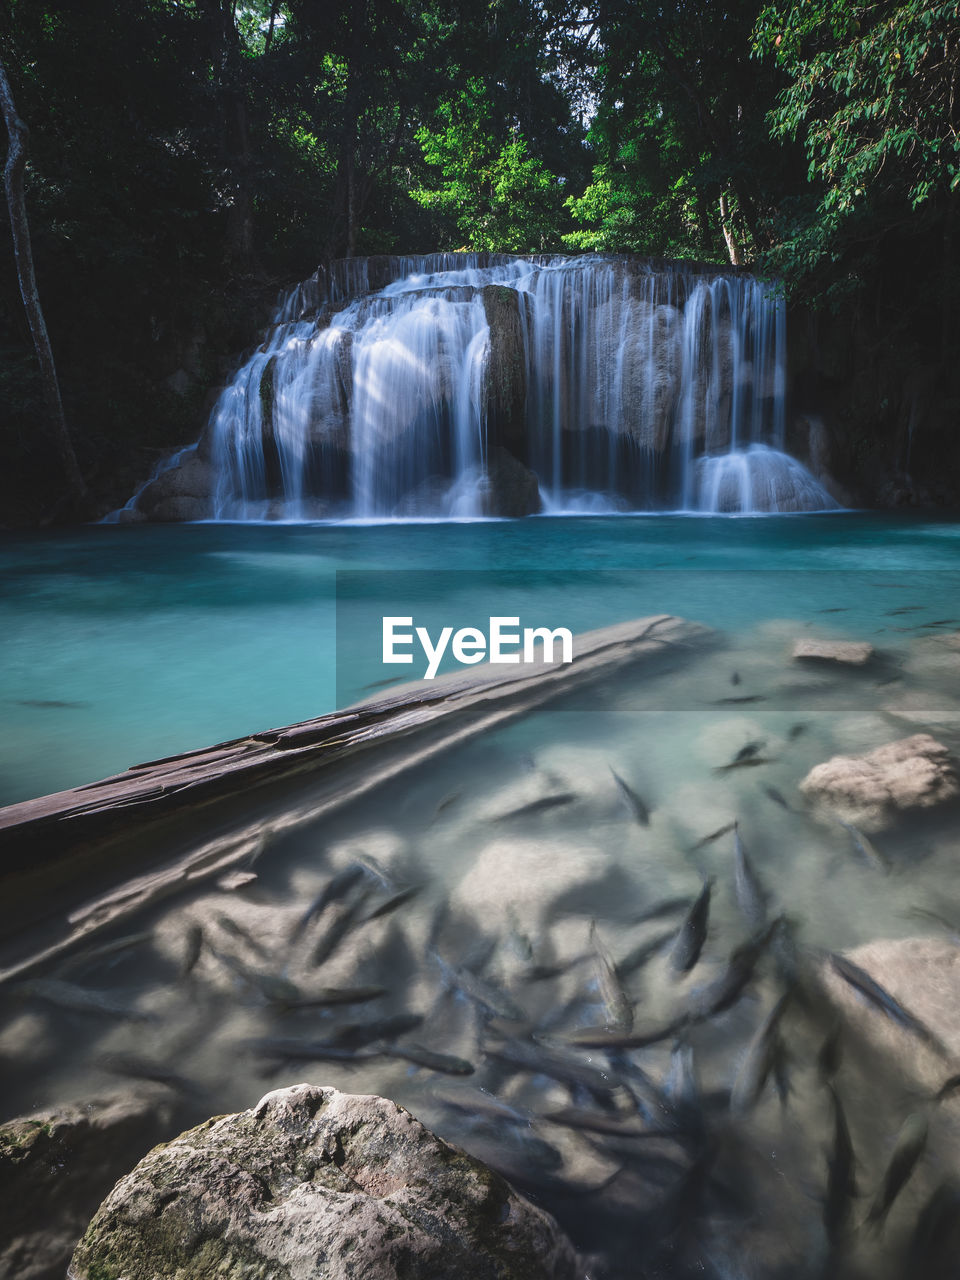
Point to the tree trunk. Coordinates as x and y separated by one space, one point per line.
728 234
23 256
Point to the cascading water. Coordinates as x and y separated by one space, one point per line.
413 386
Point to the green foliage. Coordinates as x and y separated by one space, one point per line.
871 97
498 196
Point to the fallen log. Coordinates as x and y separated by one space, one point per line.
140 835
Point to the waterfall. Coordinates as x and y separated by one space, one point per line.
419 386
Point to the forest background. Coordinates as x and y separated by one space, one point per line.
189 158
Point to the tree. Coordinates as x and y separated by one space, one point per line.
23 255
499 196
685 163
872 96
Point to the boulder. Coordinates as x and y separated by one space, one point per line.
313 1183
508 488
192 478
56 1167
171 510
853 653
872 790
505 373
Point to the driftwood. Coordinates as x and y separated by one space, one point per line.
138 836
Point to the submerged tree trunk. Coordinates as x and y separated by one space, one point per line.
23 255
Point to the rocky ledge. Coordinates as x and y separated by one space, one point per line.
314 1184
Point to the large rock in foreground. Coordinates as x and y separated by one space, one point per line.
314 1184
871 790
56 1167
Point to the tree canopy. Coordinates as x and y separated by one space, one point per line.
188 157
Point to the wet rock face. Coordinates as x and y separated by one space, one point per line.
56 1166
508 489
315 1183
872 790
505 376
181 493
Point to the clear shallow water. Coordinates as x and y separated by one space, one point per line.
198 633
124 644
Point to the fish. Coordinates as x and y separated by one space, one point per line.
882 1000
795 731
760 1058
492 998
392 903
90 955
781 1073
723 992
841 1174
830 1054
752 898
839 609
538 806
347 914
692 933
617 1005
333 891
380 684
735 677
479 1105
950 1085
237 931
193 943
638 1038
909 1147
66 995
932 1252
752 762
273 988
542 1060
358 1034
680 1085
778 798
634 803
446 801
617 1126
750 697
134 1067
749 750
867 850
421 1057
51 704
714 835
328 997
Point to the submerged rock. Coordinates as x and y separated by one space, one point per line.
316 1183
923 974
854 653
871 790
56 1167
